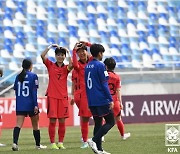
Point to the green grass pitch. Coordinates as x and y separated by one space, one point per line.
145 139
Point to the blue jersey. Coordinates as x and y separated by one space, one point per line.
26 92
96 79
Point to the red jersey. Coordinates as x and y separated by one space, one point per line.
114 83
57 87
79 67
76 81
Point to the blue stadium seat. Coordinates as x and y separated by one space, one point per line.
142 6
167 59
152 20
51 40
91 7
121 13
127 60
125 50
8 48
21 5
62 42
20 41
112 12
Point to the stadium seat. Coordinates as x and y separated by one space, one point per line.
134 45
127 61
131 14
142 6
121 13
137 61
91 7
61 4
8 33
115 51
142 15
122 4
11 4
112 12
147 60
13 65
163 19
101 8
152 20
143 44
7 21
161 8
30 47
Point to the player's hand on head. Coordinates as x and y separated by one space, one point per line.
65 49
83 43
53 45
77 46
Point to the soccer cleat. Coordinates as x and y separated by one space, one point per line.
84 145
102 139
126 135
103 152
93 146
60 146
15 147
41 147
54 146
2 145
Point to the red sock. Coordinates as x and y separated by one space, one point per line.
120 126
84 130
61 131
51 130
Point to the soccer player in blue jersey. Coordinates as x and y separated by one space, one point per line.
100 100
25 86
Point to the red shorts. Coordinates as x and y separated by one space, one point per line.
57 108
82 104
117 108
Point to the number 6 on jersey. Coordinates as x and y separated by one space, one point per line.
89 81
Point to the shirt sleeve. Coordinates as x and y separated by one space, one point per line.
48 63
34 91
103 74
75 61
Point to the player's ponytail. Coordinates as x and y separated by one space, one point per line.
26 64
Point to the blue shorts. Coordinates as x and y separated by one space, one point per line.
26 113
100 111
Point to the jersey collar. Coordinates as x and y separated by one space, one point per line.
110 71
58 65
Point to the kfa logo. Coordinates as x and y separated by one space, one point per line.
172 136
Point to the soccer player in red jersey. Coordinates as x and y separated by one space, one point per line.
57 95
1 145
114 84
78 87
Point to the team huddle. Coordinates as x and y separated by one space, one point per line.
96 90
